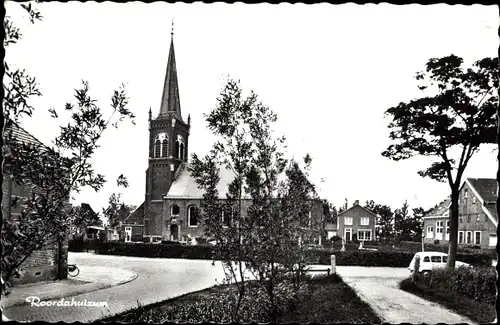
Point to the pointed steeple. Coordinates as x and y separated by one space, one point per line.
170 101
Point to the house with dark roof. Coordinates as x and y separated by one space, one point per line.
172 199
356 222
50 262
478 218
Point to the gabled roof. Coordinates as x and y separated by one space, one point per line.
136 215
442 210
357 205
185 186
19 135
485 190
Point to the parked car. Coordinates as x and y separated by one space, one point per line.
432 260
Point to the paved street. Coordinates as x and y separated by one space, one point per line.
157 280
161 279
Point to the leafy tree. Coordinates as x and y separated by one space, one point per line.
385 218
269 216
400 220
329 211
84 216
455 115
345 206
54 173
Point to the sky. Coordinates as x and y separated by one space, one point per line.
328 71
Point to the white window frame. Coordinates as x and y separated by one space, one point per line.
463 237
492 242
348 223
465 193
310 219
367 219
160 137
345 233
439 230
473 200
364 231
430 232
474 239
447 235
189 217
467 241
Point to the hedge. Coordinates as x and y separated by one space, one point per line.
80 245
155 250
391 259
478 284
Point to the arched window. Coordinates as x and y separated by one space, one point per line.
179 147
192 216
157 148
161 145
164 148
175 210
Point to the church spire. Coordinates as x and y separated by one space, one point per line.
170 101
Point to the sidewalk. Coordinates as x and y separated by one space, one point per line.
396 306
91 278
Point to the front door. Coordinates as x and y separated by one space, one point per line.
174 232
348 234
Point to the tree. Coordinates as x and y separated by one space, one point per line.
269 216
385 220
55 172
84 216
400 220
329 212
453 118
345 206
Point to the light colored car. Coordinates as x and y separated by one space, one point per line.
430 261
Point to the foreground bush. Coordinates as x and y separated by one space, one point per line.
469 292
390 258
322 299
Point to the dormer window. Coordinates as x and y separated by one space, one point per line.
161 145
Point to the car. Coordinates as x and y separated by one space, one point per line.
430 261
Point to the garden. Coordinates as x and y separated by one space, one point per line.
319 299
470 292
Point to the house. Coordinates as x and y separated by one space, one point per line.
50 262
477 216
330 230
357 222
132 225
172 197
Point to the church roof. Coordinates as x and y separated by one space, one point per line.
170 100
185 186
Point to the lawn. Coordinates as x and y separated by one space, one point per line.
321 299
477 311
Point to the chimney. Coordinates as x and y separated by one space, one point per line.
356 202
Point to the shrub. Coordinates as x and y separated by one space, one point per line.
436 242
478 284
75 245
390 258
335 238
155 250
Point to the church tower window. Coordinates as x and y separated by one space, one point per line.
179 147
161 145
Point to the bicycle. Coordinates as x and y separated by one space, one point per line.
73 270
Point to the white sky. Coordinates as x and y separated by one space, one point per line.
328 71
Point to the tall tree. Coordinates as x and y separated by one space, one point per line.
266 231
453 118
345 206
385 220
400 220
84 216
54 173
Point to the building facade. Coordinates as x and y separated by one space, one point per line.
357 222
172 199
50 262
478 218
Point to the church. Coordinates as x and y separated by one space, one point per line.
172 198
